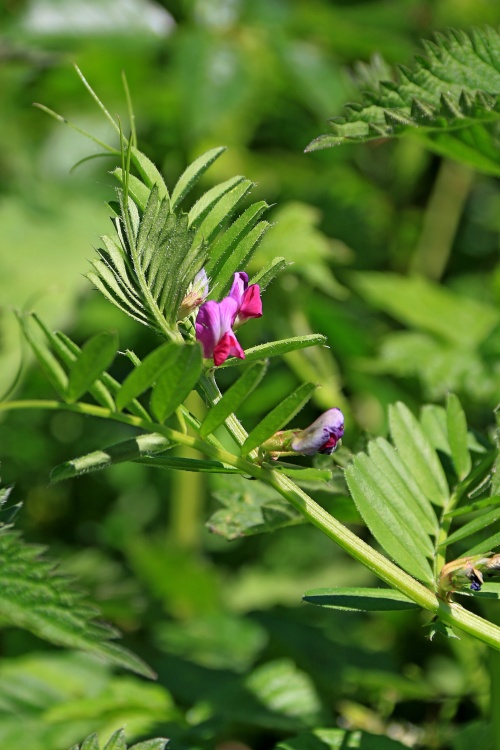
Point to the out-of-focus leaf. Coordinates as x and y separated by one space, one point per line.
457 436
283 688
359 599
338 739
278 417
249 508
95 357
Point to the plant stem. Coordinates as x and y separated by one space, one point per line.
451 613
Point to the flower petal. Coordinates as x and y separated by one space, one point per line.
228 346
322 435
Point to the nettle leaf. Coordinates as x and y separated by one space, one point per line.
36 597
117 742
95 357
134 449
233 398
359 599
250 508
450 99
457 436
177 381
278 417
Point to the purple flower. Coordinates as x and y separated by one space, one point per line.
214 330
322 435
247 298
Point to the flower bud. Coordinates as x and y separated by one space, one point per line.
196 294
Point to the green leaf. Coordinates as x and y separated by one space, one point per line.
449 99
218 208
302 473
149 173
427 306
232 398
193 173
134 449
487 545
145 374
226 243
116 741
276 349
249 508
278 417
479 505
434 424
239 258
96 355
417 453
268 273
359 599
457 435
137 189
36 597
48 363
177 381
385 522
187 464
478 524
339 739
282 688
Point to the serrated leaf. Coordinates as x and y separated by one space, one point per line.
276 349
232 398
95 357
193 173
34 596
418 454
278 417
449 100
359 599
457 436
145 374
177 381
384 522
478 524
133 449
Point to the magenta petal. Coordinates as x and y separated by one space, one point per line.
228 346
208 326
251 305
239 286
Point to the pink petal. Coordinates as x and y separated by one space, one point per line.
228 346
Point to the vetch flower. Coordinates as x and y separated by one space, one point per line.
322 436
196 294
214 330
247 298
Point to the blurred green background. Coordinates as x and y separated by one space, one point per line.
391 248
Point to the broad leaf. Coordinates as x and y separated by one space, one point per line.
278 417
95 357
177 381
359 599
233 398
457 436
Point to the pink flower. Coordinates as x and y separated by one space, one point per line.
247 297
214 330
322 435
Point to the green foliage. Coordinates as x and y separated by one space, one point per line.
335 739
35 596
117 742
359 600
449 99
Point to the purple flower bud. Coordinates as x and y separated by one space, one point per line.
214 331
322 436
247 298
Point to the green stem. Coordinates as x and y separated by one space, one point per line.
451 613
444 527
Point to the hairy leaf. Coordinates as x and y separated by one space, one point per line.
233 398
95 357
359 599
177 381
276 349
457 435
